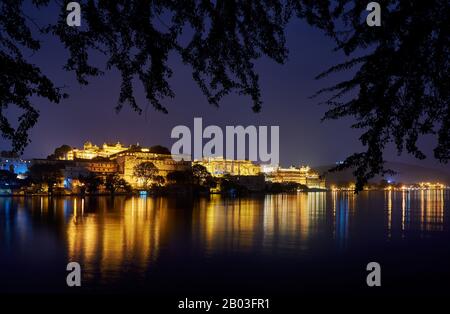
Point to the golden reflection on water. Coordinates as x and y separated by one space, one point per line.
226 223
406 206
131 230
389 210
427 215
258 223
421 210
116 235
112 235
432 211
292 221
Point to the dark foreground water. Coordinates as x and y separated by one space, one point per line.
288 245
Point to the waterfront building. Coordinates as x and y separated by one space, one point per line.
242 172
15 165
110 159
218 167
91 151
82 168
116 158
127 160
301 175
73 170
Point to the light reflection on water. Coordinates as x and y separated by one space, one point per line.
271 223
112 238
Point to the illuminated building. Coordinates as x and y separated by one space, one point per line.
303 175
82 168
91 151
243 224
73 170
218 166
116 158
14 165
431 186
242 172
418 186
110 159
128 159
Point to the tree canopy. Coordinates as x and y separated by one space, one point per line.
221 39
48 174
400 88
60 152
398 92
19 79
146 172
136 36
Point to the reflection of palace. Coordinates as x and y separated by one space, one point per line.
248 224
231 224
244 225
127 235
108 236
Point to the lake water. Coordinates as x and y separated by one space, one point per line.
290 245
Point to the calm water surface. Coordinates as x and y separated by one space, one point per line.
306 243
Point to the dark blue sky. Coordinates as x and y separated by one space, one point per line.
88 114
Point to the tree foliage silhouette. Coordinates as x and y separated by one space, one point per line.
19 79
218 39
399 89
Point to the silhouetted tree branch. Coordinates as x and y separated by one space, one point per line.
20 80
399 90
219 40
400 87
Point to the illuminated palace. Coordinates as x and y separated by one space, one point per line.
218 166
91 151
302 175
122 160
116 158
243 172
128 159
246 169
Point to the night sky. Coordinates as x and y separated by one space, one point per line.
88 114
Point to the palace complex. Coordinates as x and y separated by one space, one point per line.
119 159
